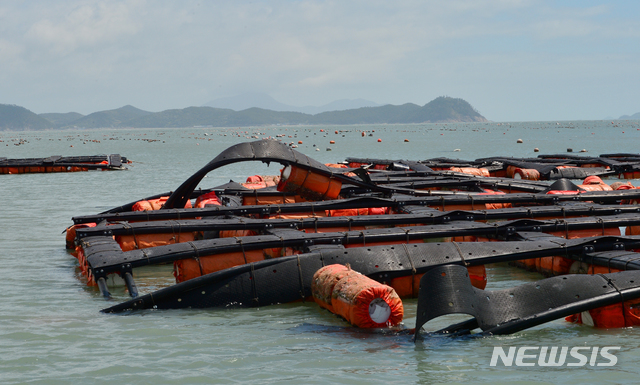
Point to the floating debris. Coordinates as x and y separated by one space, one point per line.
59 163
410 229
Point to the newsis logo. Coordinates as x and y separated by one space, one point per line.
555 356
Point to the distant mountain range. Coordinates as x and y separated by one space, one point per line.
442 109
266 102
635 116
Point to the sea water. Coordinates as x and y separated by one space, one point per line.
51 330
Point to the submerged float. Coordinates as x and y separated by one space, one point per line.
359 236
59 163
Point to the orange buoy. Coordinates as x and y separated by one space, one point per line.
360 300
595 187
70 238
145 241
336 131
323 283
379 140
526 173
471 170
594 183
154 204
308 184
299 142
186 269
592 179
254 179
363 133
332 142
619 315
208 199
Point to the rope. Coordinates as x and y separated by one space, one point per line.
301 280
610 283
197 257
133 233
628 261
254 290
599 220
244 255
464 263
413 270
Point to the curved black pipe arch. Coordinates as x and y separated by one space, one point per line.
262 150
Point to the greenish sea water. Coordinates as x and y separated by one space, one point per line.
51 331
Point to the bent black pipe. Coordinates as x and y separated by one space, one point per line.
262 150
288 279
447 290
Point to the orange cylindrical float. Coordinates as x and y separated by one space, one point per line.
409 285
309 184
592 179
526 173
471 171
255 186
70 238
595 165
360 300
619 315
622 186
550 266
629 175
145 241
154 204
323 283
236 233
562 192
254 179
208 199
479 206
594 183
558 265
186 269
595 187
267 200
347 212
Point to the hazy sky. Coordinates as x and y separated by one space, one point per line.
512 60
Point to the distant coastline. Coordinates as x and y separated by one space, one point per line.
441 109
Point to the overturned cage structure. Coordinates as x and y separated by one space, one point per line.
58 163
359 236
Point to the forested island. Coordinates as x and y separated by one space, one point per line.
442 109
